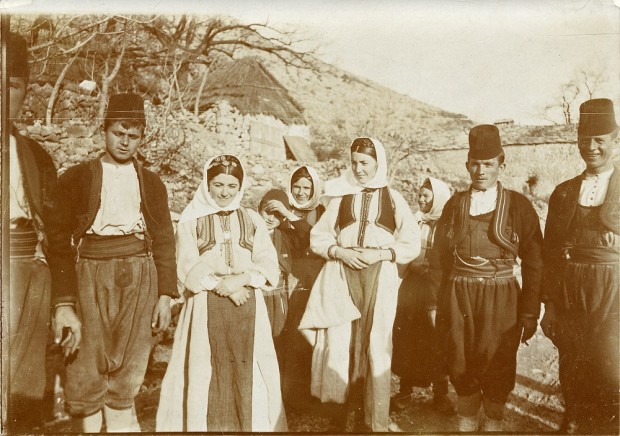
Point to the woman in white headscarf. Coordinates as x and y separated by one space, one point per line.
305 190
366 231
415 357
223 372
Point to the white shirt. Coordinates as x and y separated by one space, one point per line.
18 204
483 201
119 212
594 188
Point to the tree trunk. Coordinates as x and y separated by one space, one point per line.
54 94
203 82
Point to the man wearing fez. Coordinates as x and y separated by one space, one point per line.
126 270
41 264
581 276
483 312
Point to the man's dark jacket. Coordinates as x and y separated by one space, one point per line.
562 206
41 189
515 228
80 187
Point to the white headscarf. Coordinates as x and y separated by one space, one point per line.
441 194
348 184
317 187
203 204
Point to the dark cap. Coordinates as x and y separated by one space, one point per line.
484 142
17 61
596 117
125 107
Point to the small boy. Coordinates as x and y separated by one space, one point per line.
126 270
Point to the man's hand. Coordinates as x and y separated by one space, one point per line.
161 314
351 258
549 321
230 284
528 327
66 319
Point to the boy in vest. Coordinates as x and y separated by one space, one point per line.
41 264
482 310
126 270
582 276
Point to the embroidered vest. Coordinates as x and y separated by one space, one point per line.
385 216
205 231
503 222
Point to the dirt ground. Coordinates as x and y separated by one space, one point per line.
535 406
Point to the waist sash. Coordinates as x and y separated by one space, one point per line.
484 268
108 247
592 255
23 240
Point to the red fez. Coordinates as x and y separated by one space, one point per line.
484 142
17 61
125 107
596 117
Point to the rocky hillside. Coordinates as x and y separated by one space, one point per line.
337 107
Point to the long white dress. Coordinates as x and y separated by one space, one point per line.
330 310
184 397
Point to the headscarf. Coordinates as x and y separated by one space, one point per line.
317 187
348 184
441 194
273 194
203 204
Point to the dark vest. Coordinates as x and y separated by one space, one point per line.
205 231
385 217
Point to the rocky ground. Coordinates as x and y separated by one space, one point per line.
535 405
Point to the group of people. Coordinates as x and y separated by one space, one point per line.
321 292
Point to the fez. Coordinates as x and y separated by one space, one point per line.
596 117
125 107
17 61
484 142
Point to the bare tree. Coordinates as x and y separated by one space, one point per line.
586 83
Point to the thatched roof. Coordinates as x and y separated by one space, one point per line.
247 85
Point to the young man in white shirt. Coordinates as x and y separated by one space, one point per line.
482 311
126 270
581 276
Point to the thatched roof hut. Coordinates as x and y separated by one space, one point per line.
247 85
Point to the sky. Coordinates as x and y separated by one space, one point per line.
486 59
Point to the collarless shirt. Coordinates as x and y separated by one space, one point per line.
119 212
482 201
594 188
